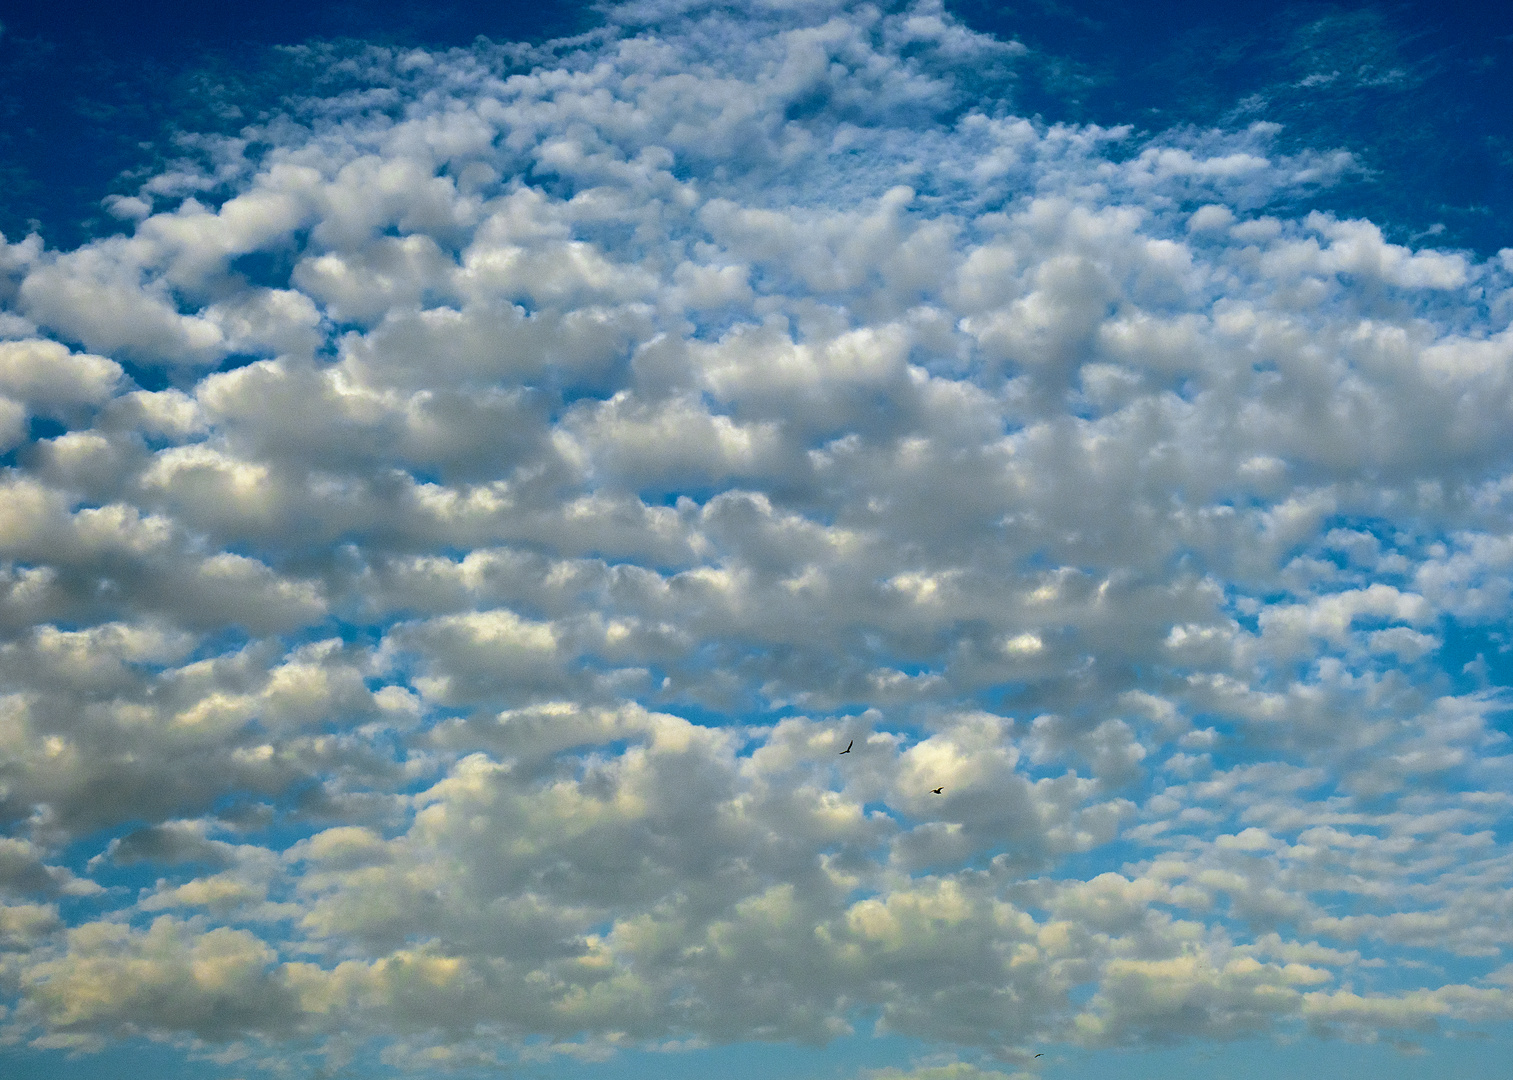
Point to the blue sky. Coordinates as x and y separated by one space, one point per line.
467 471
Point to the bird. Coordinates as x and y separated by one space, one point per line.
937 790
848 748
1039 1055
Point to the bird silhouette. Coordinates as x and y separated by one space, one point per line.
848 748
936 790
1040 1055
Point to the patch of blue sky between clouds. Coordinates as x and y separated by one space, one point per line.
454 523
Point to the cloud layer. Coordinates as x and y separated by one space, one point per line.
451 532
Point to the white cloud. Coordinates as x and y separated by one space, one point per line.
767 374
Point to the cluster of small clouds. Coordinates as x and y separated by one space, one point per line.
449 535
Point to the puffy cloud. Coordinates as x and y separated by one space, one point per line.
45 374
602 437
954 1070
167 978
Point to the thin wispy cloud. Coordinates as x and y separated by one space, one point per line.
450 533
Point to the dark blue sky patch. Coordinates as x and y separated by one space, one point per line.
93 93
1421 93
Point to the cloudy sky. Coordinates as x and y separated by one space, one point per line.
469 470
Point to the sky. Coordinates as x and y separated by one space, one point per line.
468 471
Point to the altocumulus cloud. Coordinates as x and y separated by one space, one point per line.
449 536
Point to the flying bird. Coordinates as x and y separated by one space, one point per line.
848 748
937 790
1040 1055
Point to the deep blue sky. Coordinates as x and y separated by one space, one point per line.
1423 94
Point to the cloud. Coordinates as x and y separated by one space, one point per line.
487 501
955 1070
